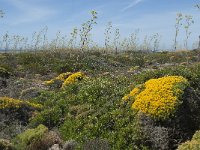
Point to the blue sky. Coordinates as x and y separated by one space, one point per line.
23 17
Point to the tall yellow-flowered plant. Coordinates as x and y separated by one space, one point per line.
158 98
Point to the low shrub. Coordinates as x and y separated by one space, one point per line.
194 144
4 73
48 139
118 126
25 140
167 71
49 117
9 103
15 109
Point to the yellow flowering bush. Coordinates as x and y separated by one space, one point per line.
7 102
160 97
60 77
73 78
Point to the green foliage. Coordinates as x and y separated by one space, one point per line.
82 107
168 71
118 127
24 140
194 144
64 67
50 117
4 73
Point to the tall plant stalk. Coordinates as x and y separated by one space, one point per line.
178 24
85 31
189 21
107 35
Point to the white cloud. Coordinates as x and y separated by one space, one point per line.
30 11
132 4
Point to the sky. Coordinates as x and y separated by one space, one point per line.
23 17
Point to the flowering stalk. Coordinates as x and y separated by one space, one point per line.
85 30
177 26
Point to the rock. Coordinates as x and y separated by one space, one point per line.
55 147
6 145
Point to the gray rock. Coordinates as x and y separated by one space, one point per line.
55 147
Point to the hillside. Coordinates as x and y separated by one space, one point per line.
94 100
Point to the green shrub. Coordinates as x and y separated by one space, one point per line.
24 140
47 140
49 117
194 144
168 71
82 106
118 126
16 109
64 67
4 73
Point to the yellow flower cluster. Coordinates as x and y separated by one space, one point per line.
73 78
132 94
7 102
61 77
160 97
66 78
